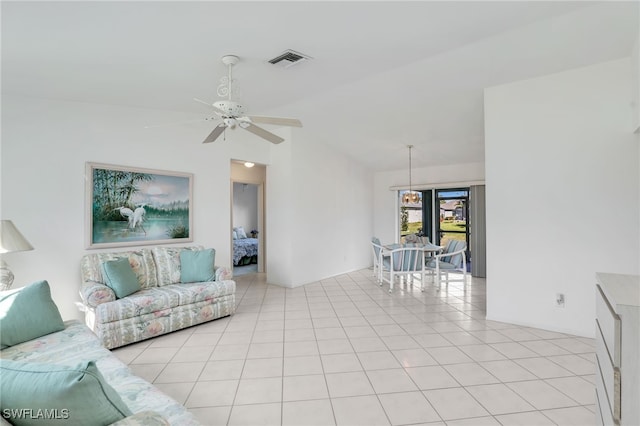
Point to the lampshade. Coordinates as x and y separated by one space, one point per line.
11 239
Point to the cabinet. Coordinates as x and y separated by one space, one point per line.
617 349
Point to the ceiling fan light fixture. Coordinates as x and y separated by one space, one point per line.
230 122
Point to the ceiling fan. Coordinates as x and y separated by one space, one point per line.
232 113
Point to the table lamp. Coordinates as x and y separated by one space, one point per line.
10 240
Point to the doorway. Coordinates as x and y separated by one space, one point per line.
247 231
453 213
245 228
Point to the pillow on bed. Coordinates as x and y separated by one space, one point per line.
235 235
240 232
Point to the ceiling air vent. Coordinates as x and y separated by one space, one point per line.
289 58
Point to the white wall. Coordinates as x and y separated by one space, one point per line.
332 219
46 143
323 220
245 206
635 72
562 194
385 224
278 226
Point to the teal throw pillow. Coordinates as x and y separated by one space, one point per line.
197 266
119 275
48 394
28 313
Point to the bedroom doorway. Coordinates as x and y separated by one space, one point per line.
247 218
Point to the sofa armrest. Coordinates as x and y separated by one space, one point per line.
143 418
94 294
223 273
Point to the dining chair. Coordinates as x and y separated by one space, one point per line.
380 262
452 259
405 262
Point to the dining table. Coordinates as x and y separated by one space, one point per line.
429 249
432 248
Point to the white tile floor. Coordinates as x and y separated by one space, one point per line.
344 351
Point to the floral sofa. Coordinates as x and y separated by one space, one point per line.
76 344
163 304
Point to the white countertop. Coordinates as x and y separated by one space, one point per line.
620 289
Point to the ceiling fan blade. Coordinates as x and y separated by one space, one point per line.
259 131
175 123
218 110
201 101
215 133
292 122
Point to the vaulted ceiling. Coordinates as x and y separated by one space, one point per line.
383 74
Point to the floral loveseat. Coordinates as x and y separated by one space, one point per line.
76 344
164 304
55 372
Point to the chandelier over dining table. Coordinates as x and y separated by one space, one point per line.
410 196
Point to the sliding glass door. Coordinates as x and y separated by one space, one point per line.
440 214
453 213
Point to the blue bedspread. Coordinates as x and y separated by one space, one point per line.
244 247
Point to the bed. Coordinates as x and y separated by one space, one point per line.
245 251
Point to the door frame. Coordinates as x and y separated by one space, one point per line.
261 223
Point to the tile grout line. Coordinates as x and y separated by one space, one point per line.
391 319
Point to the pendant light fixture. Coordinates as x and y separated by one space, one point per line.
410 196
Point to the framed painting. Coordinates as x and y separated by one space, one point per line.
129 206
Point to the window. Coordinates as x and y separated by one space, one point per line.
410 215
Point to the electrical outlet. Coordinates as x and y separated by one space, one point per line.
560 300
